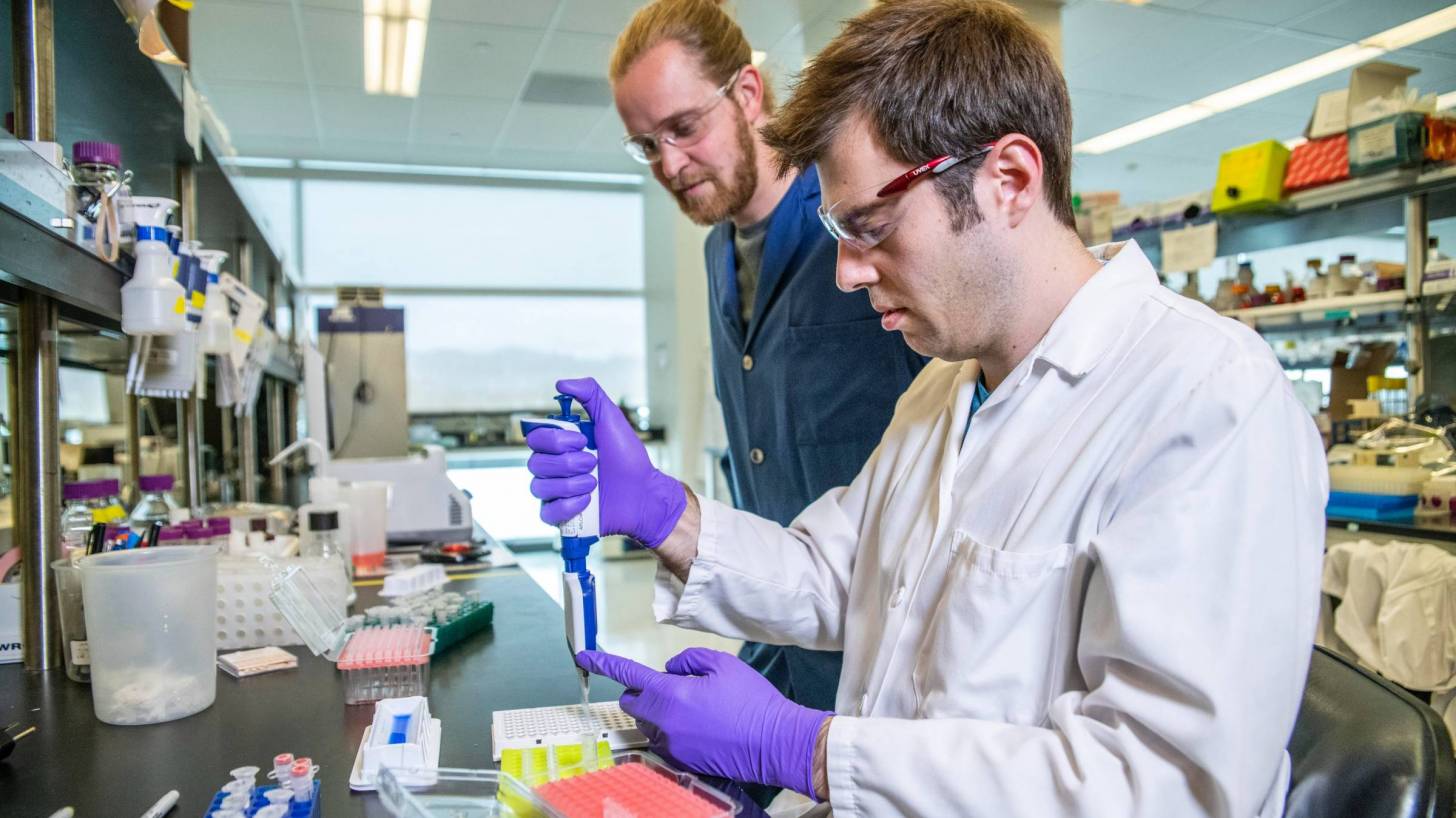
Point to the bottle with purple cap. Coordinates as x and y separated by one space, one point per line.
100 184
156 503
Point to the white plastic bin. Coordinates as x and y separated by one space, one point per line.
150 622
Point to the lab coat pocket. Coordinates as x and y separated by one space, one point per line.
849 374
992 647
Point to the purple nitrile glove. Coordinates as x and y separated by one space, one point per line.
635 500
712 713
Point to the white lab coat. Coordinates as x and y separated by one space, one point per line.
1397 613
1102 604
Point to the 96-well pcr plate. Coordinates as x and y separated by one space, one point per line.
564 724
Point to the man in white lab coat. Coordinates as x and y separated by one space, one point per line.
1079 574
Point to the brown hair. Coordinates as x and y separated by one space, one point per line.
935 77
701 26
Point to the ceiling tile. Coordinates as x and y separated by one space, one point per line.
337 5
336 47
596 16
533 14
458 121
605 136
767 22
257 108
354 149
356 114
550 127
1265 12
570 53
1095 112
478 61
237 41
1352 20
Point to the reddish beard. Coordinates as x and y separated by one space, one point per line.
724 198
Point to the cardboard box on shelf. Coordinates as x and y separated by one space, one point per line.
1349 371
1334 111
1392 142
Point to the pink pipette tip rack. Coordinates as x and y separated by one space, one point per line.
386 663
629 790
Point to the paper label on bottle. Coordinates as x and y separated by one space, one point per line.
80 652
1375 144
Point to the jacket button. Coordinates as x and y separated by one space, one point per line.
755 456
897 597
747 363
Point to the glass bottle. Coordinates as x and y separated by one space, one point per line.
156 503
75 517
323 539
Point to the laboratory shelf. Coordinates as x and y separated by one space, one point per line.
34 257
1361 206
1322 310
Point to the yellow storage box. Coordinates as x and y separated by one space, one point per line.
1251 177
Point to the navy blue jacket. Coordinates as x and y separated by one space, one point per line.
812 382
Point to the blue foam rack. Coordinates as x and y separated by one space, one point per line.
296 810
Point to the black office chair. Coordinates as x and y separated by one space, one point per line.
1365 748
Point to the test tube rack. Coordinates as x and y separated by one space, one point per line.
386 663
535 727
247 618
466 615
295 809
631 785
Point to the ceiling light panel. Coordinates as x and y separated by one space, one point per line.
395 32
1274 82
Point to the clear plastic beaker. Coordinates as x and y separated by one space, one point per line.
73 621
369 504
150 621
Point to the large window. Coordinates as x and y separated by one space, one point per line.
505 287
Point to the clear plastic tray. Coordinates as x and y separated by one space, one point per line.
456 793
628 785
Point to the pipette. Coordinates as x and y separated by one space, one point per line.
578 586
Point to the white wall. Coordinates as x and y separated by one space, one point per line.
679 362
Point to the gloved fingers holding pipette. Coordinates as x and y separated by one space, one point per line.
635 499
712 713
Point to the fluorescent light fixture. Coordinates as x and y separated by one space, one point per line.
1339 59
517 174
1446 101
757 58
394 46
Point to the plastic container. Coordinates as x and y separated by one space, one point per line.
369 509
76 519
417 580
74 646
246 615
156 503
386 663
629 785
149 621
454 792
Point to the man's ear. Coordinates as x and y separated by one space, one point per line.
748 90
1013 173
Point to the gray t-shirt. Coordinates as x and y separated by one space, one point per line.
748 256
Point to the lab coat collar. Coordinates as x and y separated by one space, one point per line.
1100 311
